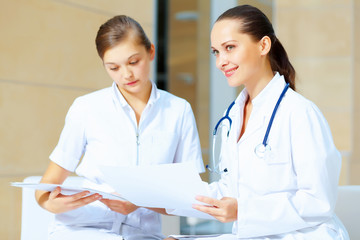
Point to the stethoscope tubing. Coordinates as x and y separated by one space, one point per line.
264 142
273 114
223 118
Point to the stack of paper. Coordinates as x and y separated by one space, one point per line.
170 186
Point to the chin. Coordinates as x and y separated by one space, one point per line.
233 83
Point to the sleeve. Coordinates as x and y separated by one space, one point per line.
189 146
71 145
316 165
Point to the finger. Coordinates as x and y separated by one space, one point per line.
213 211
79 195
110 203
55 193
105 201
86 200
207 209
208 200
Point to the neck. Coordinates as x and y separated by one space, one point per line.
258 83
139 97
138 101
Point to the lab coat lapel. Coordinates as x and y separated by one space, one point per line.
263 106
256 121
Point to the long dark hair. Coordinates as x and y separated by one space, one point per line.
117 29
257 25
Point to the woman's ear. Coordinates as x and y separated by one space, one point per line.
152 52
265 45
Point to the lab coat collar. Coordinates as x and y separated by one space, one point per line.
268 97
263 104
120 100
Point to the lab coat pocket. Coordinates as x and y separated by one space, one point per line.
272 173
272 156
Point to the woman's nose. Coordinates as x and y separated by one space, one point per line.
221 61
127 73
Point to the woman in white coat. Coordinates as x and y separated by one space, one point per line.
130 123
289 190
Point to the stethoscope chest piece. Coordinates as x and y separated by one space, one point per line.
261 150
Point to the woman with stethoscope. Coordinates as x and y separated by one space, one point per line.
278 163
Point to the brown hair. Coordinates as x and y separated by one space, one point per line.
117 29
257 25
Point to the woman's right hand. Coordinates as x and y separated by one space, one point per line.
56 202
59 203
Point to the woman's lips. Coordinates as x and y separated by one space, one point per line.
132 83
230 72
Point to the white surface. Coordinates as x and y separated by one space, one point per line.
348 210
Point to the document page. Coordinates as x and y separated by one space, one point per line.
65 189
171 186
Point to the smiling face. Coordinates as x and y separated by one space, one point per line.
128 64
238 56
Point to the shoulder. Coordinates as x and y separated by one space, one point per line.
93 99
301 108
168 99
298 103
90 102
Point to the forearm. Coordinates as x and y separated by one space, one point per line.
54 174
41 197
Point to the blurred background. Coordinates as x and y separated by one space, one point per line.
48 58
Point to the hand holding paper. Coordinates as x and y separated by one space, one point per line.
123 207
170 186
224 210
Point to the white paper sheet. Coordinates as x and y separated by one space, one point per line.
66 190
172 186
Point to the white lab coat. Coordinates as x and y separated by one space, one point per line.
290 193
101 128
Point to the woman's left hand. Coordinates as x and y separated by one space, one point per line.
123 207
224 210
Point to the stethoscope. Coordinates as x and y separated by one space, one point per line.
260 150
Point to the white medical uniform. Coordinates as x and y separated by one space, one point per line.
291 192
102 127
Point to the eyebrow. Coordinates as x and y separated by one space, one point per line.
226 42
127 59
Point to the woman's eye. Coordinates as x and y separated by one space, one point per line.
114 68
229 48
214 52
134 62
